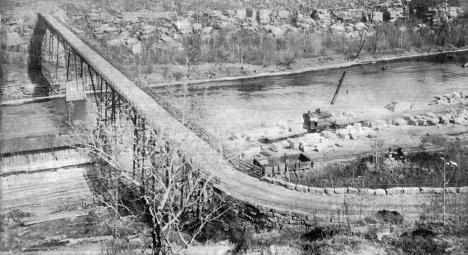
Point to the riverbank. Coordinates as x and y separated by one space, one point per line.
301 66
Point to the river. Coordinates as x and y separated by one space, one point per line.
280 101
262 104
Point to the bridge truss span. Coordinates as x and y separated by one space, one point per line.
118 92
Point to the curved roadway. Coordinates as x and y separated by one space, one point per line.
239 185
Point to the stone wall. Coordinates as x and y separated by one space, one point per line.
413 203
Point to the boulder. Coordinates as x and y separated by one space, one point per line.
167 39
229 13
164 30
293 144
215 13
251 13
392 217
427 190
444 119
94 17
452 190
251 21
422 122
438 190
459 120
358 127
321 146
111 29
432 121
132 41
340 190
338 27
353 135
412 121
352 191
137 49
399 122
284 14
276 147
318 191
394 191
442 102
115 43
342 133
360 26
456 95
411 190
312 138
277 32
302 188
221 24
327 134
329 191
241 14
12 39
430 115
147 29
353 34
124 35
264 16
401 106
304 26
183 26
197 27
100 29
311 22
380 192
207 30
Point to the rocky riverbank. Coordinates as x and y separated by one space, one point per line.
164 46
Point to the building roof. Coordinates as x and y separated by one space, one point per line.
274 161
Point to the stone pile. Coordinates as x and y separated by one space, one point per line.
430 119
452 98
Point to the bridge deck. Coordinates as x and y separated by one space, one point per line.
238 185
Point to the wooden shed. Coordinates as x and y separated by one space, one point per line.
274 166
316 121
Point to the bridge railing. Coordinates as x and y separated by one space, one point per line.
176 113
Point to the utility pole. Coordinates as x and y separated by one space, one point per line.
444 194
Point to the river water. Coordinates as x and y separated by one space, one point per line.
35 119
256 105
280 101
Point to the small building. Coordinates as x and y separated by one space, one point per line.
316 121
278 166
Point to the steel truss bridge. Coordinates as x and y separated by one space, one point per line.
118 92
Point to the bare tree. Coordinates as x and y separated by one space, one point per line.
144 175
